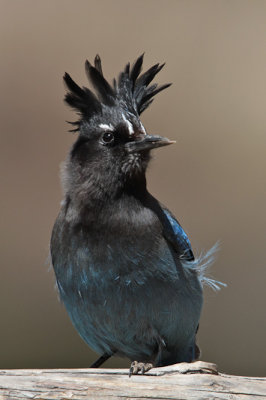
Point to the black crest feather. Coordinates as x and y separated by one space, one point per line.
132 91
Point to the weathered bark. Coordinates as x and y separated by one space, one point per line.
197 380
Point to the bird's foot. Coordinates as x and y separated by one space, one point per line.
141 367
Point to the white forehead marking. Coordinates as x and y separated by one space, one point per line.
106 127
129 125
142 127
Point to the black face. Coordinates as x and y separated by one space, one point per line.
116 138
110 156
104 139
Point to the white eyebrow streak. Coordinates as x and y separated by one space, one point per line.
129 125
106 127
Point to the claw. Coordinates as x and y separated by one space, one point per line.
141 367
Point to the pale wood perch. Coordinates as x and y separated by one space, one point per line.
199 380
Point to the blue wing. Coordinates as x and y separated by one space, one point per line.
177 236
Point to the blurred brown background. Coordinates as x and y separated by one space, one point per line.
213 179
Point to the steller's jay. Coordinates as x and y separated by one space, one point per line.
124 266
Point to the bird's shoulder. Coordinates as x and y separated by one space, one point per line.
179 235
172 230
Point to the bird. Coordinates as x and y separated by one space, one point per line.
124 266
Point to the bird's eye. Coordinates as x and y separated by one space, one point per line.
108 137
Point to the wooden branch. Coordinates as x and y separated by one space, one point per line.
198 380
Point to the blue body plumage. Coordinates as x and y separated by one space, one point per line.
124 266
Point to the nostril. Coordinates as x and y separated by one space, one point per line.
138 135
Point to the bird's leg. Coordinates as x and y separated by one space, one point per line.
101 360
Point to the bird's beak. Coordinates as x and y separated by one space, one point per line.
147 142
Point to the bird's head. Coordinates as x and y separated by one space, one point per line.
113 148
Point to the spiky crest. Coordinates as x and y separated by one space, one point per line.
132 91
